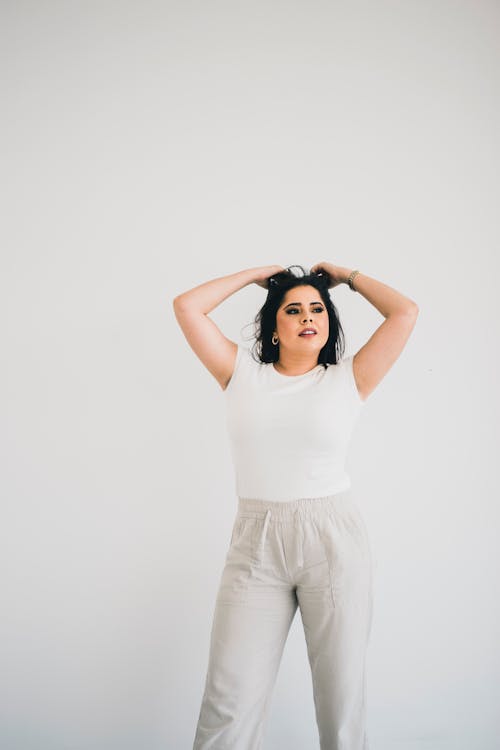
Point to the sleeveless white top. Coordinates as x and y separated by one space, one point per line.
289 434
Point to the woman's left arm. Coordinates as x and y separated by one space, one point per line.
376 357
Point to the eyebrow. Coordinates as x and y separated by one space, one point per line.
299 303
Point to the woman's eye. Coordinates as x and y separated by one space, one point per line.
294 310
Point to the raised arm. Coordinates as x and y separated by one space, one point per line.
375 358
211 346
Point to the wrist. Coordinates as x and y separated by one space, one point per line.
251 275
352 278
344 275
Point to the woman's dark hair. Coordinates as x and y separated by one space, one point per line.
265 320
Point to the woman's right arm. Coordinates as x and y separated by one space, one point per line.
215 351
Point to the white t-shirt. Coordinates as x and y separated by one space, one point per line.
289 434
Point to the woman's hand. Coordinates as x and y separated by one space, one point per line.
336 274
263 274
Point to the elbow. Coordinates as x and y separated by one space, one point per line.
412 309
177 307
177 301
408 311
182 303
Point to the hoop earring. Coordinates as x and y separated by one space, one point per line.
275 342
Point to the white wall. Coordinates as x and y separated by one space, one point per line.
148 147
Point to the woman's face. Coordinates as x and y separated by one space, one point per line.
302 307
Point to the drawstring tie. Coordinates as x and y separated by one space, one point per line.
263 536
300 540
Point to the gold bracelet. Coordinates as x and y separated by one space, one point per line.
350 279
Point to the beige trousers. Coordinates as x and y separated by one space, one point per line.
313 553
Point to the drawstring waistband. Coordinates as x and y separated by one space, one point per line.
294 511
300 539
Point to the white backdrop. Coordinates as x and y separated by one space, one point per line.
148 147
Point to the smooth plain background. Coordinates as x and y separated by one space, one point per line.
148 147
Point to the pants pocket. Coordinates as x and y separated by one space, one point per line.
244 537
236 531
347 551
248 536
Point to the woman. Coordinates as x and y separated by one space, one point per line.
298 538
